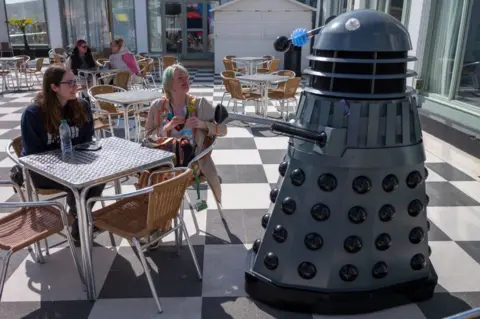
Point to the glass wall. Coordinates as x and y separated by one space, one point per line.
37 33
95 21
154 18
399 9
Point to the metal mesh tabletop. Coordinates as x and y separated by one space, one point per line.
263 78
129 97
116 158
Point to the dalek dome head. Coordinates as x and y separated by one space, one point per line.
361 55
364 30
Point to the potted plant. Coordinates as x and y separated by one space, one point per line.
22 25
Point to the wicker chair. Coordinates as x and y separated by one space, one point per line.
29 224
238 93
138 214
36 71
273 66
288 94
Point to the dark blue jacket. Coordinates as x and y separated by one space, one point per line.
36 140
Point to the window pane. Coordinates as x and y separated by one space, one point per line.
155 25
98 29
36 33
443 46
123 22
75 21
396 9
469 88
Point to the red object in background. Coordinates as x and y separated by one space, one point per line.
193 15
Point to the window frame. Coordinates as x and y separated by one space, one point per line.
47 45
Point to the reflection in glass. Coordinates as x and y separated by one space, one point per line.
173 27
155 25
396 9
98 28
444 46
123 22
195 41
75 21
469 87
194 16
37 33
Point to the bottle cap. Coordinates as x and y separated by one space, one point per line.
63 122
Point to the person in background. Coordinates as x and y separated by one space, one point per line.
40 124
123 59
81 58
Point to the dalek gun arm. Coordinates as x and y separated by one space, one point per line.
278 127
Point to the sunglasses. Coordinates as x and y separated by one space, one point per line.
71 84
84 47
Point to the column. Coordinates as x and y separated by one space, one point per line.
3 23
141 25
53 16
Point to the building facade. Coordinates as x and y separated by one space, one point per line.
445 38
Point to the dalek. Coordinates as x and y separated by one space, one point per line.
347 228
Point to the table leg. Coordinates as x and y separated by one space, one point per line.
126 123
85 242
265 99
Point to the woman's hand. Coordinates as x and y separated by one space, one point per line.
194 122
176 120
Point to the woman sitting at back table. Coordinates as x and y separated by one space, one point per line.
81 58
169 115
41 121
124 60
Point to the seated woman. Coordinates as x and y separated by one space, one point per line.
169 115
41 121
124 60
81 58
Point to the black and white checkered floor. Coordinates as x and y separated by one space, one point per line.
247 160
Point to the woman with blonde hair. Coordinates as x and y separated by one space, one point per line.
171 115
122 59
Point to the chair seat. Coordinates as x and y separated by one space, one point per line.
99 125
126 218
277 95
26 226
41 191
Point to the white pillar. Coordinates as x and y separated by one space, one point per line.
141 25
54 18
3 23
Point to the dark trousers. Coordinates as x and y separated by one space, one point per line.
42 182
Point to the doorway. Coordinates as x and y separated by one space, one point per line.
188 29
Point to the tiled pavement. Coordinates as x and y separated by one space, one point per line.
247 160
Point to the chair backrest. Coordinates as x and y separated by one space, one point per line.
234 87
122 79
57 58
274 65
291 87
230 57
5 46
59 51
17 145
39 64
168 61
166 198
228 74
107 52
228 64
288 73
267 63
104 89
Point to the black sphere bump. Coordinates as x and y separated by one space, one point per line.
320 212
418 262
280 234
273 194
352 244
379 270
270 261
415 208
383 242
348 273
282 44
427 200
426 173
313 241
429 251
307 270
417 235
297 176
357 215
362 185
327 182
289 206
428 225
265 220
282 168
390 183
386 213
256 245
414 179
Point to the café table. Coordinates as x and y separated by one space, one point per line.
263 81
93 72
82 170
5 62
251 63
127 99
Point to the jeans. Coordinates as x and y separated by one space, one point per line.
42 182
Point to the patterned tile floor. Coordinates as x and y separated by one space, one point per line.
247 160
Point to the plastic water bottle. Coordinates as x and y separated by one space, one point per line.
65 137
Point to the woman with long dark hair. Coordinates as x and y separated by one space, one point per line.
81 58
41 121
